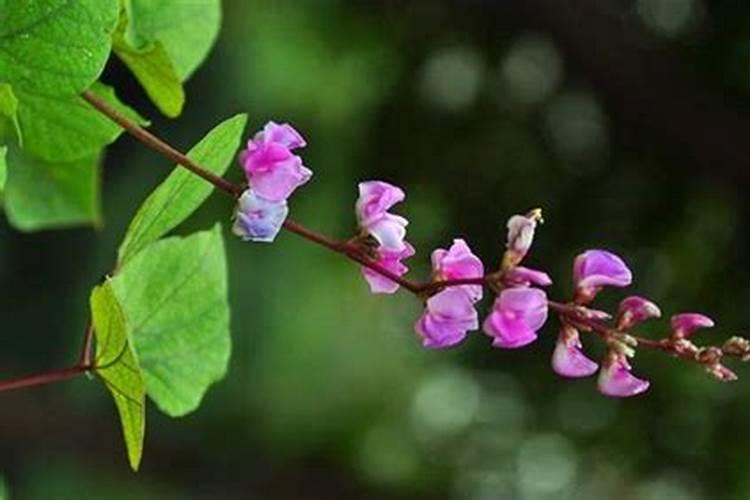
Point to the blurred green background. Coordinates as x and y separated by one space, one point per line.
625 120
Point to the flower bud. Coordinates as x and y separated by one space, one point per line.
634 310
737 346
683 325
568 360
520 236
523 276
615 379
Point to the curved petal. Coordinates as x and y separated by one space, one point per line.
569 361
375 198
616 380
389 230
685 324
283 134
597 268
278 182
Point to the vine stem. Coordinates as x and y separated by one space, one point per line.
235 190
158 145
567 311
48 377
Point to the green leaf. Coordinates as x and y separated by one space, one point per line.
117 365
163 42
186 30
182 192
8 112
174 296
55 47
153 68
67 129
41 194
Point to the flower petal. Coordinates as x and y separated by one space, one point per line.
258 219
683 325
375 199
569 361
616 380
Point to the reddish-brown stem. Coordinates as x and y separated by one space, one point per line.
43 378
160 146
436 285
352 251
574 317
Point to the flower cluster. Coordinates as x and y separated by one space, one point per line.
383 232
520 307
273 173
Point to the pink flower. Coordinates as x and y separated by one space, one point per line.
568 360
523 276
683 325
390 260
272 170
595 269
449 315
520 236
456 263
634 310
615 379
375 198
516 316
258 219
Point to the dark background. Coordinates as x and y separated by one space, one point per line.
625 120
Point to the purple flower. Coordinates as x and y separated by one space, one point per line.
449 315
615 379
375 198
258 219
595 269
520 236
272 170
456 263
516 316
390 260
568 360
523 276
634 310
683 325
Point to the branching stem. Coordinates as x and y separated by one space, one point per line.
568 312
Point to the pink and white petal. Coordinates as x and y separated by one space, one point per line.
389 230
283 134
524 276
375 198
379 283
618 382
569 361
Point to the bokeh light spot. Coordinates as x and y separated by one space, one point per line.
451 78
532 69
